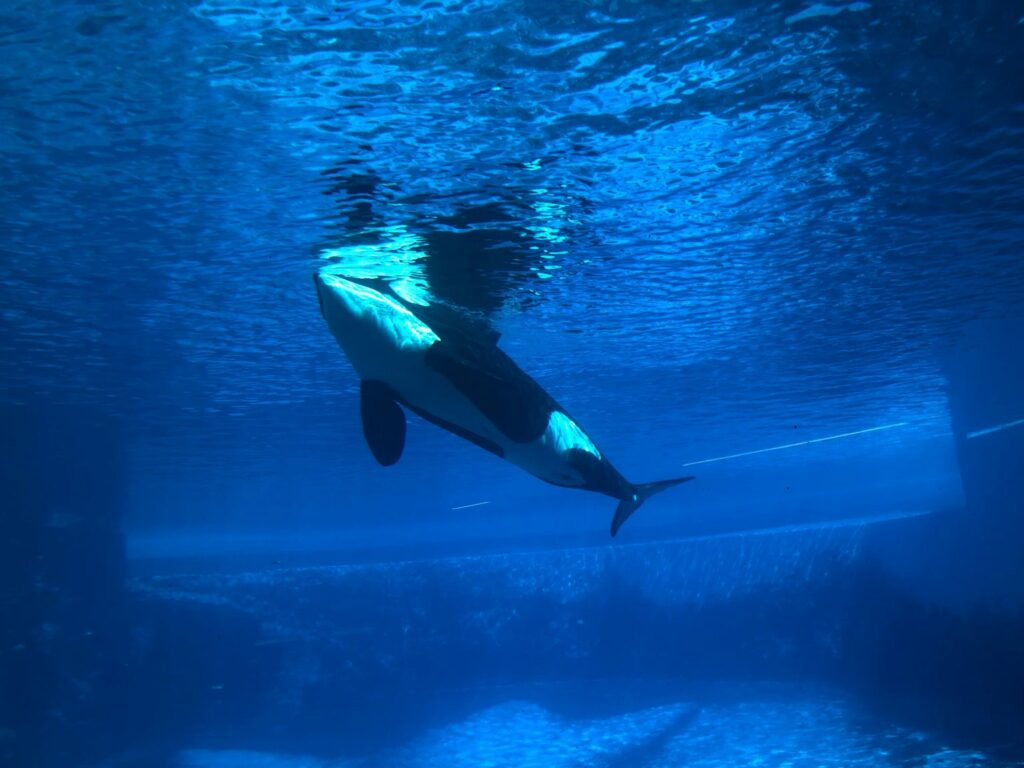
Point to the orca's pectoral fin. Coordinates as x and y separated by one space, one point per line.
637 495
383 422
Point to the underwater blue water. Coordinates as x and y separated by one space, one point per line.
778 246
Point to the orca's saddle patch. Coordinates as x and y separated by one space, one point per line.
383 422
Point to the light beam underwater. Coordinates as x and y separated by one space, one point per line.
797 445
475 504
996 428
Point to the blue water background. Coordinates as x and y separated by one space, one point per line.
707 228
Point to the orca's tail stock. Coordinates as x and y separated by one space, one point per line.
637 495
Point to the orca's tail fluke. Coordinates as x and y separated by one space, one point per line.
638 494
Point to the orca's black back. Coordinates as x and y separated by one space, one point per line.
508 396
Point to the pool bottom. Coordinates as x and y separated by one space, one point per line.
742 725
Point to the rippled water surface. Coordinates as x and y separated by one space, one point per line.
761 211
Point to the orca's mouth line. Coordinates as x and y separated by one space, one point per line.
801 443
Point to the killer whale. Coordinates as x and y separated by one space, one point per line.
456 377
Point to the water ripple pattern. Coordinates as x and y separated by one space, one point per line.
750 211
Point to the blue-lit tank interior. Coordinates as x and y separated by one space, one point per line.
775 247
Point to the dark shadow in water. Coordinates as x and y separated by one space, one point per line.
357 193
477 257
959 674
63 633
647 752
480 260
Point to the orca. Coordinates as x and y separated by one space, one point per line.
455 376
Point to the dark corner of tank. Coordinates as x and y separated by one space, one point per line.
937 616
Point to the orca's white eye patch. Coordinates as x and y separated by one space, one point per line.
564 435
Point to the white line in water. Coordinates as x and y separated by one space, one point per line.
797 445
996 428
467 506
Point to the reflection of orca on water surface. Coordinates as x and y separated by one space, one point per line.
460 380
